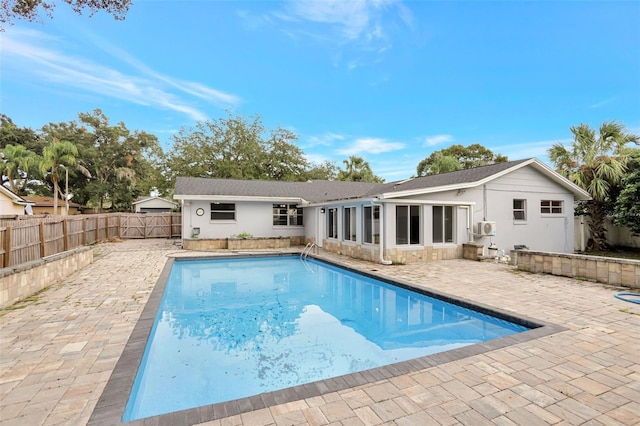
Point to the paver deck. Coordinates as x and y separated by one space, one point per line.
57 351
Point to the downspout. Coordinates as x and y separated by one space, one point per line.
484 202
382 234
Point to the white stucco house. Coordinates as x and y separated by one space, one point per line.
154 205
518 203
11 204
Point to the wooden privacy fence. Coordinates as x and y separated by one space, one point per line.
31 239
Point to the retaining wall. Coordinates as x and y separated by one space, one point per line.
21 281
607 270
396 255
256 243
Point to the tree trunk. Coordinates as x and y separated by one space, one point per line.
55 195
596 227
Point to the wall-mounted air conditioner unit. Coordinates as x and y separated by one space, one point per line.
486 228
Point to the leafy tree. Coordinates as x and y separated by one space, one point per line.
17 161
235 147
30 10
284 161
124 164
10 134
322 171
357 170
474 155
627 205
438 163
57 156
596 163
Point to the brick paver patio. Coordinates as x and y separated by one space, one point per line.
58 350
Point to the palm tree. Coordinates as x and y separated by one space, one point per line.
357 170
16 159
55 158
596 163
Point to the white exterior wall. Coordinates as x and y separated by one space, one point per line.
255 218
9 208
542 232
553 232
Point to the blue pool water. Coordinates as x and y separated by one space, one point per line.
232 328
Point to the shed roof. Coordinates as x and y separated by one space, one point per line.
141 200
44 201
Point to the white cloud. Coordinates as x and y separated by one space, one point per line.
317 158
371 146
325 139
438 139
42 57
360 30
602 103
352 17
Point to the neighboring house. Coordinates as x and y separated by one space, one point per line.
154 205
11 204
418 219
44 205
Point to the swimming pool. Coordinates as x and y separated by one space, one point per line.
234 328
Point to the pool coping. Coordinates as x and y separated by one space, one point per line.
112 403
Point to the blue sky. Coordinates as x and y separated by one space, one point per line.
391 81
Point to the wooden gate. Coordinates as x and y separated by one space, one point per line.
157 226
150 225
132 226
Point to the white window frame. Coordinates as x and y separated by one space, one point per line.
349 230
332 225
371 215
410 208
446 239
551 207
219 211
522 209
292 213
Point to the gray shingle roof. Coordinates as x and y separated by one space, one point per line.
447 179
323 190
313 191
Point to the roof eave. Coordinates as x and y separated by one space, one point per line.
340 201
578 192
213 197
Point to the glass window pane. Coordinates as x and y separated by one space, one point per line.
223 211
414 225
376 225
402 224
347 224
448 224
438 234
367 225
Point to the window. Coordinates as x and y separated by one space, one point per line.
287 215
332 223
519 209
442 224
371 224
551 206
223 211
349 224
407 224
